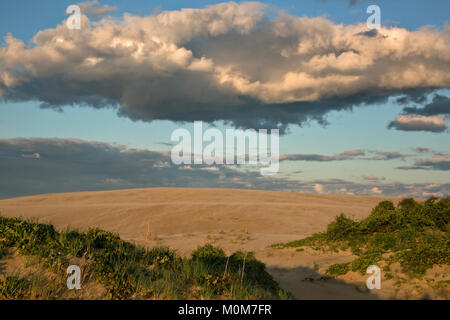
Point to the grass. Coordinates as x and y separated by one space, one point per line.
417 235
13 287
127 271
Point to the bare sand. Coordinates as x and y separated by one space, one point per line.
185 218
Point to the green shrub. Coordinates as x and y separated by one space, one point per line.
382 219
338 269
127 271
210 254
418 235
365 260
341 228
423 255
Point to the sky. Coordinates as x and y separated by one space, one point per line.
360 111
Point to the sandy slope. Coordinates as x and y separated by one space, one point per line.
184 218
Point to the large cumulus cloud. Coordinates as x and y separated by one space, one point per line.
224 62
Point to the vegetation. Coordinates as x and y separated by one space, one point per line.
417 235
127 271
13 287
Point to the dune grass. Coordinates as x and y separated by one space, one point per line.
417 235
127 271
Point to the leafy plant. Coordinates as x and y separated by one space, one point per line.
127 271
417 235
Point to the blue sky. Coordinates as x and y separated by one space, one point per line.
365 127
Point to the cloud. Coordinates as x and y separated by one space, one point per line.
339 186
167 144
318 188
440 105
409 168
353 153
351 3
373 178
417 96
434 163
376 190
89 8
227 62
419 123
387 155
371 33
346 155
69 165
422 150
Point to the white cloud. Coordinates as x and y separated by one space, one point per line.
225 62
376 190
318 188
89 7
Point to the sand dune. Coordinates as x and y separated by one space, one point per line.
184 218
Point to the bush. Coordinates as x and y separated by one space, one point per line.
210 255
423 255
338 269
382 219
364 261
127 271
341 228
417 233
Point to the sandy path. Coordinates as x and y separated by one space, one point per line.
184 218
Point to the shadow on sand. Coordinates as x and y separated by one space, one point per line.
308 284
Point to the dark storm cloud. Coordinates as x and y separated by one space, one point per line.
36 165
413 96
69 165
440 105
